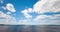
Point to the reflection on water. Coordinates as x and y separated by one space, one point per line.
29 28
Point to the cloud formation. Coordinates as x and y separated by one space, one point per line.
47 6
6 19
10 7
26 12
48 20
40 7
44 6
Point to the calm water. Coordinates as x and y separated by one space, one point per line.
29 28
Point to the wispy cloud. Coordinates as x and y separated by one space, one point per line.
3 7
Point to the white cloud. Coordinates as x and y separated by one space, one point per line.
43 6
47 6
6 19
26 13
3 7
8 13
10 7
41 20
48 20
30 10
26 22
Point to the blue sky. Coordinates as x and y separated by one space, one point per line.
27 11
19 6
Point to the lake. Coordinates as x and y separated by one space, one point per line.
29 28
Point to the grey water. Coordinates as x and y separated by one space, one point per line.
29 28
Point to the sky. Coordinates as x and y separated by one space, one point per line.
30 12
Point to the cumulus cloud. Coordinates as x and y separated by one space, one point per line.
43 6
47 6
10 7
26 13
6 19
